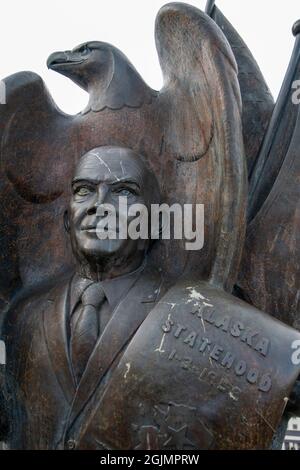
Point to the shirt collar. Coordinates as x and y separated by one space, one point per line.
115 289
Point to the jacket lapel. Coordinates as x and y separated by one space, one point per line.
125 320
55 327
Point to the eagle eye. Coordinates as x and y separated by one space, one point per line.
85 50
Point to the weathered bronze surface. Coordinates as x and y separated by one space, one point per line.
225 363
138 344
193 152
42 378
270 274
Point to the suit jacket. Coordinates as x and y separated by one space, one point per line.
198 369
45 409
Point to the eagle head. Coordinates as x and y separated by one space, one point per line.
105 73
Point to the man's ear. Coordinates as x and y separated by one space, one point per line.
66 221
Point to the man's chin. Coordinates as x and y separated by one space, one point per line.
99 249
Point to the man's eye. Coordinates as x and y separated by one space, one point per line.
82 191
124 192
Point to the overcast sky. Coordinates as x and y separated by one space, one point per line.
30 30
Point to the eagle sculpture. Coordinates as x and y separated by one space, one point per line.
213 120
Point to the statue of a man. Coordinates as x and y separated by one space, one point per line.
65 342
114 358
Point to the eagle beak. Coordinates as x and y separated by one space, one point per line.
61 61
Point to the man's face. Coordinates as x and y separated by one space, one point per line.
103 176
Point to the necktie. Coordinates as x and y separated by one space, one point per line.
85 327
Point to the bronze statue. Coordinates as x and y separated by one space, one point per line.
94 346
79 328
140 343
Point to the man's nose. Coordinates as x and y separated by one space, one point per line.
99 198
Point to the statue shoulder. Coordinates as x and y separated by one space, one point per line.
32 301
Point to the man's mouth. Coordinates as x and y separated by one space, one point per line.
89 228
95 229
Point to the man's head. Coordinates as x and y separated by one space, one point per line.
102 176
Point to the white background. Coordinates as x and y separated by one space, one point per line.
31 29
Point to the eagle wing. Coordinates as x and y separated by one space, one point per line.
258 103
33 175
204 163
270 274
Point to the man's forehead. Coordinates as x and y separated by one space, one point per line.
110 164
